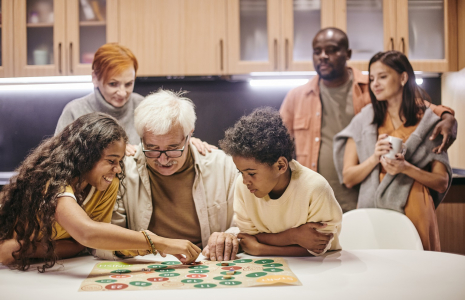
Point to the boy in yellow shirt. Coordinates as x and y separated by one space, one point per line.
281 207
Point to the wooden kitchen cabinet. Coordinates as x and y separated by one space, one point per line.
275 35
429 33
426 31
39 37
254 36
175 37
300 21
6 38
59 37
88 28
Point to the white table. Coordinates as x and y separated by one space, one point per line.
355 274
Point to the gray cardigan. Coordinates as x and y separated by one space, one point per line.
393 191
95 102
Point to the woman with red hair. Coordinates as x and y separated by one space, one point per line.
113 74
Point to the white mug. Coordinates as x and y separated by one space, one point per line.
396 147
40 57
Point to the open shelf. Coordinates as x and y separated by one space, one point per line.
39 25
92 23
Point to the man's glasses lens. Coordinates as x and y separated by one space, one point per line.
169 153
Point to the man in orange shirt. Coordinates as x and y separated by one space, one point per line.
318 110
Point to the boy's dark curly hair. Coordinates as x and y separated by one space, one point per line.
27 204
260 135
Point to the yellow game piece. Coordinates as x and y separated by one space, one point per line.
227 277
230 272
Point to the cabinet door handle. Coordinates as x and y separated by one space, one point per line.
275 54
286 49
59 58
403 45
392 44
221 54
71 57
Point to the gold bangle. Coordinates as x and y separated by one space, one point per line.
149 242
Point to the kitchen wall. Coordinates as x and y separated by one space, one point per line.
27 117
453 93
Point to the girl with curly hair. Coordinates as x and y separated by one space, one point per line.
281 207
62 199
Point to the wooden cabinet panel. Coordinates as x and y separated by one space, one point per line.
451 220
6 42
461 33
175 37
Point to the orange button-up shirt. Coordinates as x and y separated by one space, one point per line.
301 113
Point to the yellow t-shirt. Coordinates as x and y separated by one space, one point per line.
98 206
308 198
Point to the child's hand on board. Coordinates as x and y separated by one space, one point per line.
249 244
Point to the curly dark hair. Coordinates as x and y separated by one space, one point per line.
28 203
260 135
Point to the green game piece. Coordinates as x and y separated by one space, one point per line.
121 271
199 271
264 261
172 262
235 273
243 261
157 266
199 267
229 265
230 282
221 278
256 274
273 265
140 283
165 270
205 285
273 270
192 280
106 280
169 274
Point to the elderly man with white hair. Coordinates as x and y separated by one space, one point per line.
171 189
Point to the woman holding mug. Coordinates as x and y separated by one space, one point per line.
414 182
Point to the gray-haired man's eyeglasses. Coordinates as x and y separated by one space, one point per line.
169 153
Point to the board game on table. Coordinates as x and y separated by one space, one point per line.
117 275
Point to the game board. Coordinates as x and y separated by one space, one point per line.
114 275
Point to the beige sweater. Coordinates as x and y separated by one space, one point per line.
308 198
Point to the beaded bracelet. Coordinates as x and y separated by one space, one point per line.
149 241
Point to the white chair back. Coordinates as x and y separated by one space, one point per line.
374 228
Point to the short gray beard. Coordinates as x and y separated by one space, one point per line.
169 164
